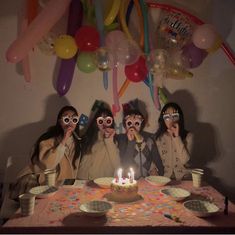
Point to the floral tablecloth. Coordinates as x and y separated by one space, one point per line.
62 209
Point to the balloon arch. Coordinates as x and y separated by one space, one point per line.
180 42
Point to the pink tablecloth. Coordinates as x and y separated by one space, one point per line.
61 211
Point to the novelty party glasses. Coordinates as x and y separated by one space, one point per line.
133 123
107 121
67 119
171 117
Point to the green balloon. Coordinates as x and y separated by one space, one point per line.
86 62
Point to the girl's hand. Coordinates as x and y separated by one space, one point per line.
67 133
109 132
130 134
174 130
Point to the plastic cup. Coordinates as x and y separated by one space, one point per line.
197 175
27 202
50 178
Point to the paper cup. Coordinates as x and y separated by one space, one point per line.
50 178
197 177
27 202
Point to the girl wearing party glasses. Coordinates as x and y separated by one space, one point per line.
58 149
174 142
137 148
100 156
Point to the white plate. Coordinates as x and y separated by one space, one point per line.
157 180
104 182
95 208
201 208
176 194
43 191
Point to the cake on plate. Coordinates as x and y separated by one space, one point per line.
124 190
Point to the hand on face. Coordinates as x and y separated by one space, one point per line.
131 133
109 132
68 123
173 129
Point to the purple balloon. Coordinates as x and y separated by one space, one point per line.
67 66
194 55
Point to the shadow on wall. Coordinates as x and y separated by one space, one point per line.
206 148
19 141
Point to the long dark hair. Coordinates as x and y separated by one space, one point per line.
162 126
91 134
56 132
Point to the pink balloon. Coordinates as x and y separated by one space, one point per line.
204 36
36 30
113 38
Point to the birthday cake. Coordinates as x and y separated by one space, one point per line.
124 190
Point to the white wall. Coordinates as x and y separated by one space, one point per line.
207 99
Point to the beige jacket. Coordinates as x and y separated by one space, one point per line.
175 154
101 162
51 155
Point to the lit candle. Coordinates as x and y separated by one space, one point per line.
132 175
129 176
119 173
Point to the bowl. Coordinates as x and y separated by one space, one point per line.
176 194
104 182
95 208
43 191
157 180
201 208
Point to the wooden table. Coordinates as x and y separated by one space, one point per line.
60 213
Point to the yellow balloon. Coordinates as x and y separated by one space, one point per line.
178 73
112 12
216 45
65 47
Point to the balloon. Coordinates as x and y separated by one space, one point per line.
178 59
127 52
122 14
216 45
36 30
123 87
87 38
146 43
157 61
85 62
113 38
156 98
67 66
136 72
204 36
101 56
174 30
113 12
162 96
32 10
46 45
104 59
176 72
193 55
65 47
116 105
65 76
